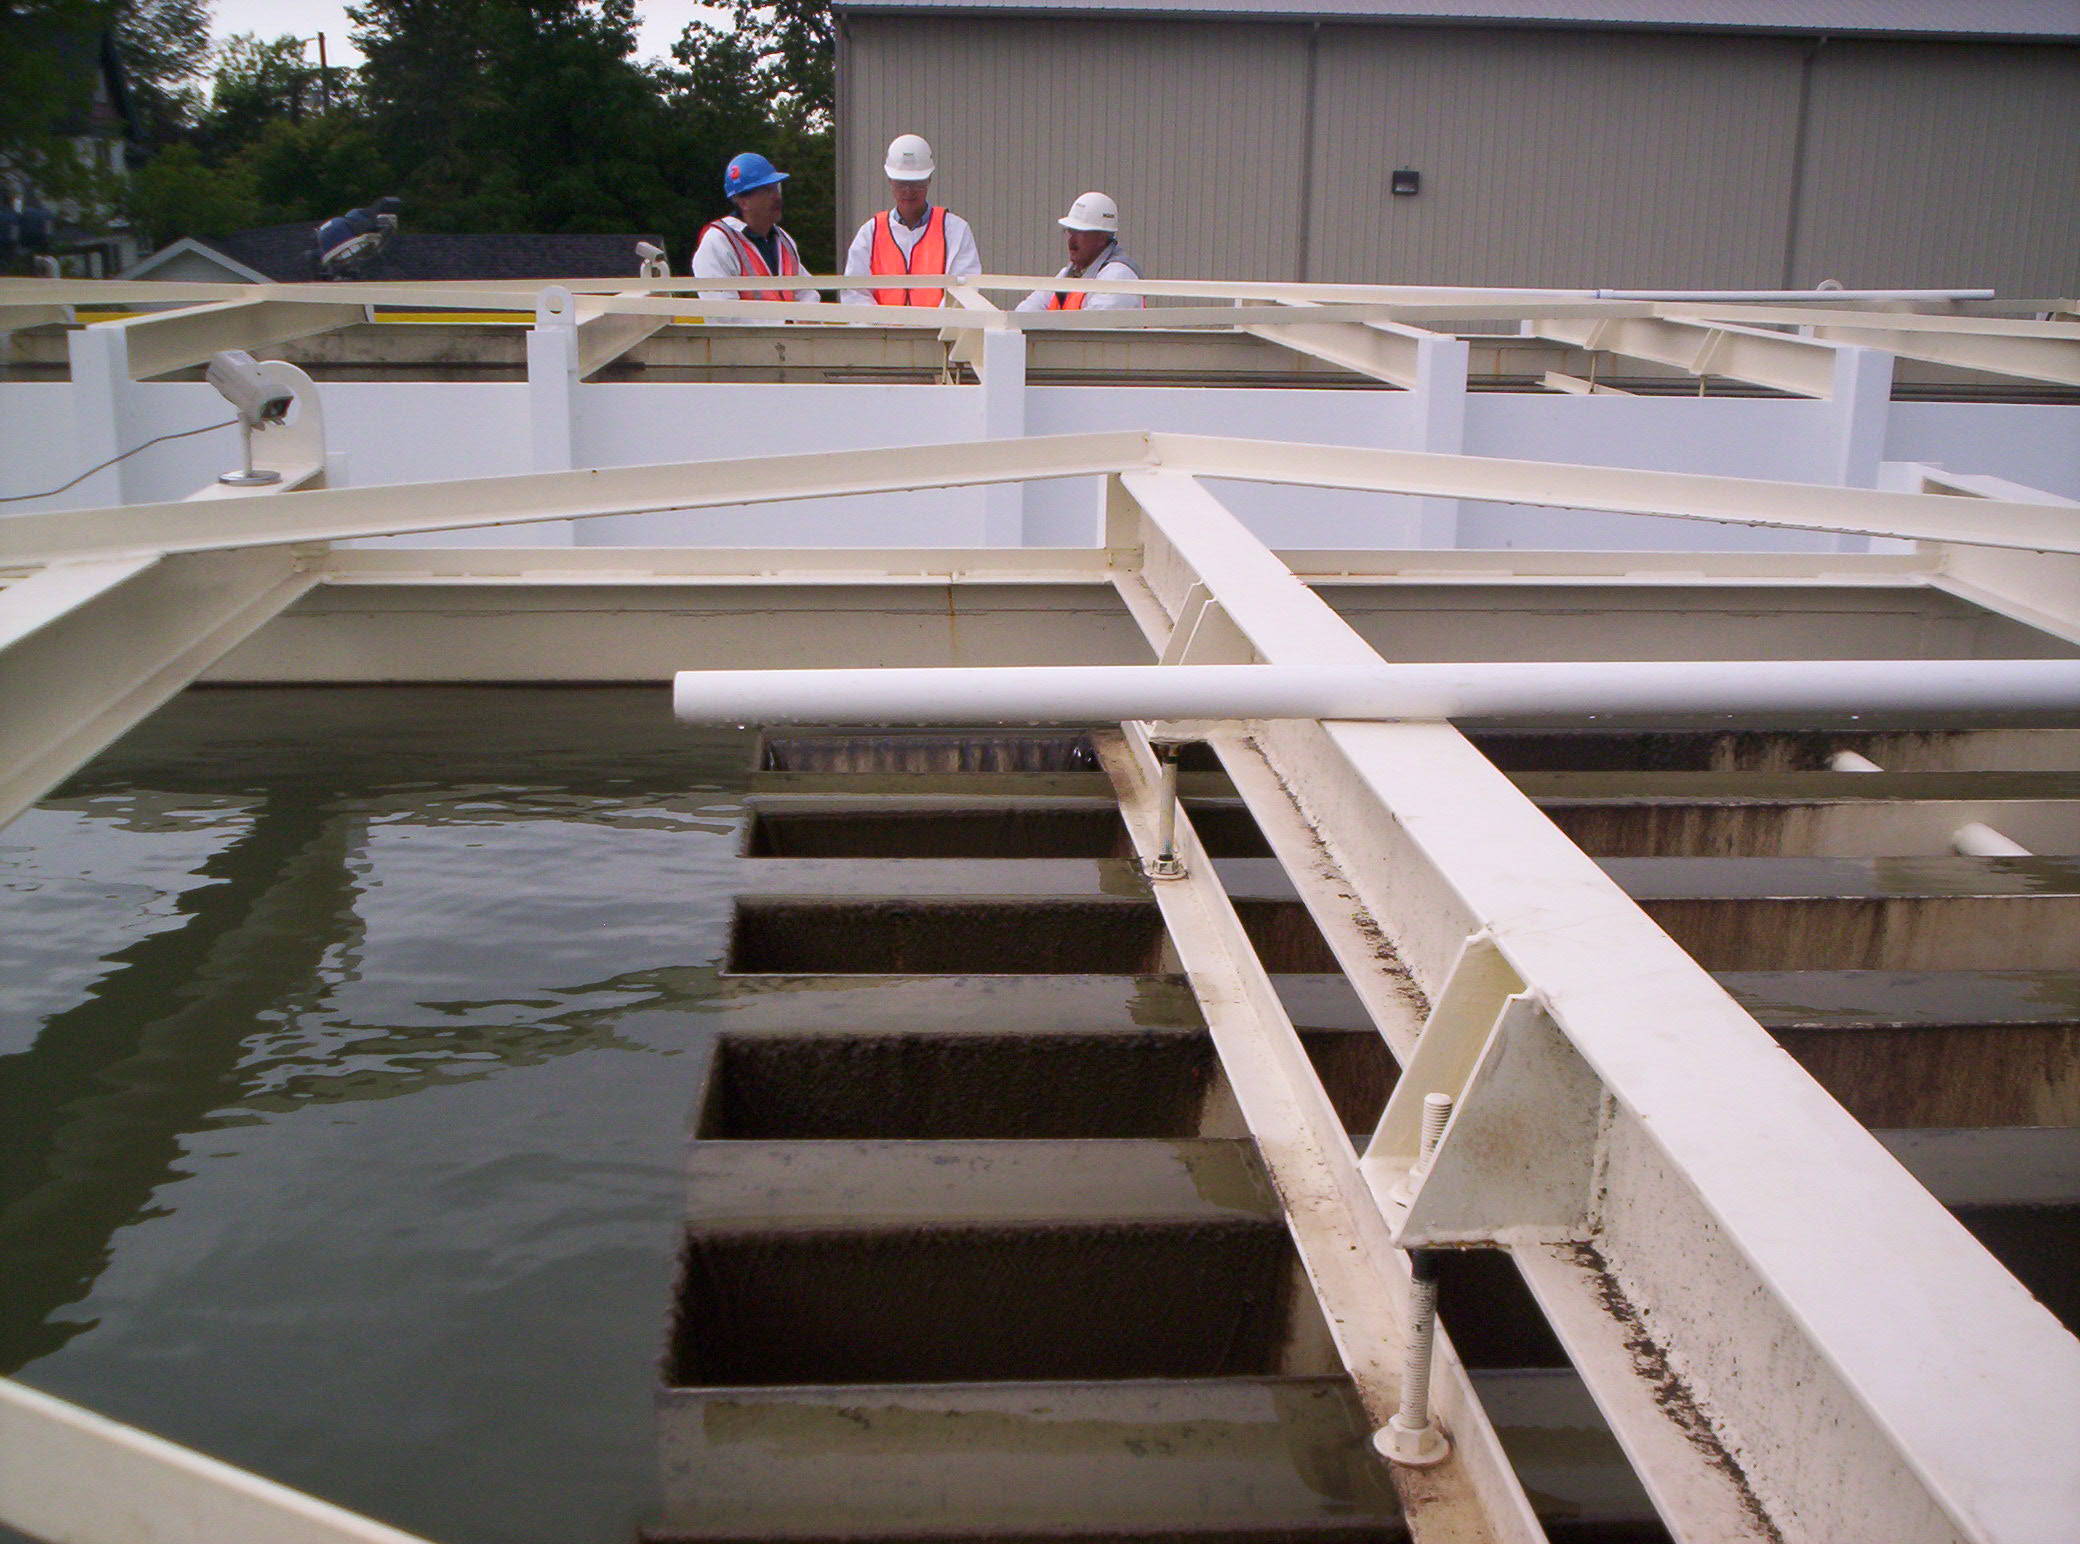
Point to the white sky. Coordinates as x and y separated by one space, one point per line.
659 23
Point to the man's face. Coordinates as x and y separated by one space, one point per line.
760 208
1085 245
910 199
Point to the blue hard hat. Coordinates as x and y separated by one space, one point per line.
747 171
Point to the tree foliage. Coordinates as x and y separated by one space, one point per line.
482 115
49 62
257 84
164 45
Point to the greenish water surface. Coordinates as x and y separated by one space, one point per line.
324 1146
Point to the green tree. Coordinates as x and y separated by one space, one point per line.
176 194
518 115
257 84
311 170
49 62
572 136
422 81
165 48
795 44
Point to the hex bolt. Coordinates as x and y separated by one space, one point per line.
1411 1437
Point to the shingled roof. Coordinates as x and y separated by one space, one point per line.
282 253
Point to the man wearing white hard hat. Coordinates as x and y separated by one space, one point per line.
1094 253
916 236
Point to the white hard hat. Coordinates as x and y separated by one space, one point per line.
909 159
1091 212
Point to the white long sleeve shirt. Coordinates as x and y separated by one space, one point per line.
716 258
961 253
1112 264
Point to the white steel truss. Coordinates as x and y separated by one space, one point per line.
1708 1232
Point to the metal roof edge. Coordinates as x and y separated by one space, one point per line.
2015 30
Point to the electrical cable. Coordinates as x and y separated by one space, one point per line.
16 498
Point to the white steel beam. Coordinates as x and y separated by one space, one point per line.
2037 359
1467 300
607 330
1740 500
67 1473
729 567
964 344
87 650
1574 385
19 316
2040 590
1356 1272
1508 565
1749 1237
1797 365
173 340
1384 351
338 514
2034 350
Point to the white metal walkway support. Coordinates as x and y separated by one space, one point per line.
88 649
1430 364
2043 588
73 1477
1734 1234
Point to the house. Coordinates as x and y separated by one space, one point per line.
282 254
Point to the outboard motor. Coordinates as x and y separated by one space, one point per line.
350 242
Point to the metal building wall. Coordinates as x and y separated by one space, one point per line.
1548 157
1553 158
1941 164
1025 114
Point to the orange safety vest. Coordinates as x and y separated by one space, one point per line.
751 263
928 256
1062 300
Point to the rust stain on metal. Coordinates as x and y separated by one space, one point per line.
1671 1392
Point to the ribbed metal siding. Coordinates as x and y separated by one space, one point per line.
1549 157
1553 158
1935 164
1195 128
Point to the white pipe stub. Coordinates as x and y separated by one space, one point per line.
1087 694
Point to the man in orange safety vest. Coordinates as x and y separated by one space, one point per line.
750 243
1094 253
916 236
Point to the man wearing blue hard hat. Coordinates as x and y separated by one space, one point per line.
750 243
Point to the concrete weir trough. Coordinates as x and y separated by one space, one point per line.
978 1244
1804 814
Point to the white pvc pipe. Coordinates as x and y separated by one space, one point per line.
1852 761
1976 839
1085 694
